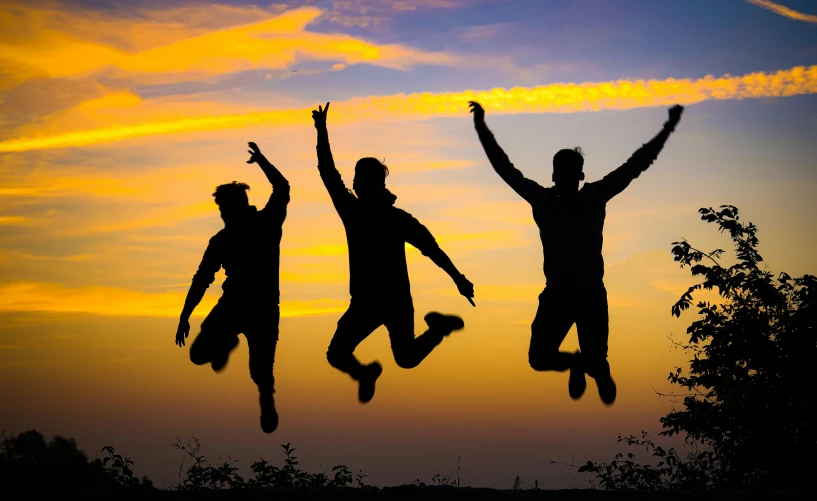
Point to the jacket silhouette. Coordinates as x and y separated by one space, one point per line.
571 223
376 233
248 248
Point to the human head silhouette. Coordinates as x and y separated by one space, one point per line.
370 178
567 169
232 201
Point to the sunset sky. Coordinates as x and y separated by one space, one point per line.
118 119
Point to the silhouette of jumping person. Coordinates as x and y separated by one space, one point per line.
376 233
570 222
248 248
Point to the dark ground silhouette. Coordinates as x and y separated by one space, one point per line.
248 249
32 468
570 222
376 233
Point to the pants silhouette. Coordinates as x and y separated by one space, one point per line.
219 336
559 308
364 317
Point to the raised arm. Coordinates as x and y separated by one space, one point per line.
205 275
340 195
277 203
418 235
615 182
526 188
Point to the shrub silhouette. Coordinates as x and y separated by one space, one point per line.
290 475
750 391
201 475
58 466
692 471
28 461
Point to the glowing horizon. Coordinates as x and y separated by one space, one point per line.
117 123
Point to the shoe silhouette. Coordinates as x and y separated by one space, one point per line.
365 389
571 222
607 388
377 233
248 248
576 383
443 323
269 416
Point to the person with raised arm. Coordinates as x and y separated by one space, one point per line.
248 248
571 223
376 233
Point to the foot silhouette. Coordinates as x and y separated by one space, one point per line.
220 359
607 388
576 383
365 390
269 416
444 323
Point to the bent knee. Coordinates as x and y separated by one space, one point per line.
548 362
537 363
198 356
335 356
406 362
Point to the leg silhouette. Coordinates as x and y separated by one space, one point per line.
409 350
554 317
218 337
262 338
354 326
361 319
593 329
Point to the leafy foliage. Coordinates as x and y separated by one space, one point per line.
118 469
201 475
695 470
290 475
750 392
59 465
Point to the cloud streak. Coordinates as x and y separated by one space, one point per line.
36 296
274 43
784 11
554 98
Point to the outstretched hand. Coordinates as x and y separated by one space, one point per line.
255 153
466 288
183 331
675 115
319 115
478 111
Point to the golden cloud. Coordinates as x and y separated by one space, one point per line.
784 11
554 98
9 220
37 296
276 42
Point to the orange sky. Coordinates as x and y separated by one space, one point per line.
116 124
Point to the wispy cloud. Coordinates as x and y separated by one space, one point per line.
784 11
274 43
375 13
554 98
9 220
36 296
